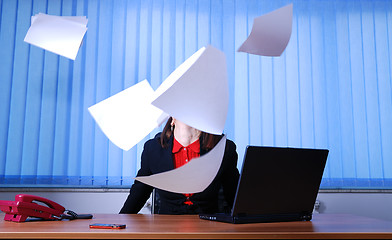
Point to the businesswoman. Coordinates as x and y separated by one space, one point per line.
177 144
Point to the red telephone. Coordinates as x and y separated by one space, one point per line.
25 206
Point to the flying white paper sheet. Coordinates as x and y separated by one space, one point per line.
193 177
60 35
78 19
270 33
128 116
197 92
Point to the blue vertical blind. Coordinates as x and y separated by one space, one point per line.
331 88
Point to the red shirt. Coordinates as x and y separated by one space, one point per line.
182 155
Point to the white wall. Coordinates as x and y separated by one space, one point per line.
370 204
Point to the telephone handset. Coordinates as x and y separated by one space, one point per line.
26 205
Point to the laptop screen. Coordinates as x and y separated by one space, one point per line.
278 180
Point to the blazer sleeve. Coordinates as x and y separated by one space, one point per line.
140 192
230 174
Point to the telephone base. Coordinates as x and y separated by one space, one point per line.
15 217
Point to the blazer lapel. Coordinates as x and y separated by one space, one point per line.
168 163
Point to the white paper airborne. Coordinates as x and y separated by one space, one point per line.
197 92
127 117
193 177
270 33
62 35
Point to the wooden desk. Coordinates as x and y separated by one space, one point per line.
323 226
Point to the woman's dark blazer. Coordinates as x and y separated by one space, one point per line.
156 159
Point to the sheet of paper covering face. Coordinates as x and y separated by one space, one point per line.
197 92
270 33
193 177
128 116
56 34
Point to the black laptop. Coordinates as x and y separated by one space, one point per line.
276 185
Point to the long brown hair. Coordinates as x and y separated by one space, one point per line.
207 140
